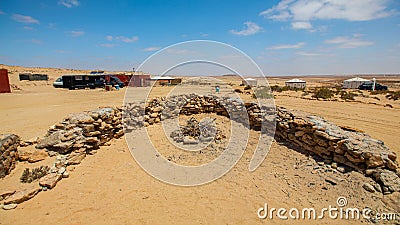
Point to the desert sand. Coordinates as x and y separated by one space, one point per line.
109 187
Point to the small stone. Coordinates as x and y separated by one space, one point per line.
61 170
368 187
321 163
334 165
341 169
50 180
65 175
21 196
190 141
10 206
377 187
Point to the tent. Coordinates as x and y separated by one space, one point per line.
295 83
354 82
250 81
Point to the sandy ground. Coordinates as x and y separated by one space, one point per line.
111 188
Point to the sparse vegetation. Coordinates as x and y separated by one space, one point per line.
324 93
348 95
277 88
394 95
36 173
263 93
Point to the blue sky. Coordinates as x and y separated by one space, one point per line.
285 37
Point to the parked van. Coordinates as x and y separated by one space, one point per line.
58 83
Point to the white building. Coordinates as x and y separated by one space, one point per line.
354 82
295 83
249 81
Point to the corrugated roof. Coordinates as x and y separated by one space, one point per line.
162 78
357 79
295 81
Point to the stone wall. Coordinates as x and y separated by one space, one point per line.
83 131
354 149
313 134
8 153
79 134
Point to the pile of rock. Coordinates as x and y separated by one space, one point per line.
8 153
354 149
83 131
194 132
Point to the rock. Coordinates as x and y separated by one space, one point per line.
377 187
37 156
368 187
50 140
76 156
21 196
334 165
341 169
154 115
332 180
5 194
10 206
65 175
374 161
80 118
61 170
390 180
50 180
190 141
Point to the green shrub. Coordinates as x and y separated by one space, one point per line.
347 95
262 93
324 93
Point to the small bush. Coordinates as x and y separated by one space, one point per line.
394 95
323 93
263 93
247 87
348 95
28 176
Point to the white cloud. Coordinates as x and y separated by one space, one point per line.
122 38
349 42
69 3
27 28
151 49
295 46
127 39
301 25
308 54
74 33
308 10
24 19
108 45
36 41
2 13
249 29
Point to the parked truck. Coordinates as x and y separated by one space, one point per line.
92 81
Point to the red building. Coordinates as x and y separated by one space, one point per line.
4 82
140 80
